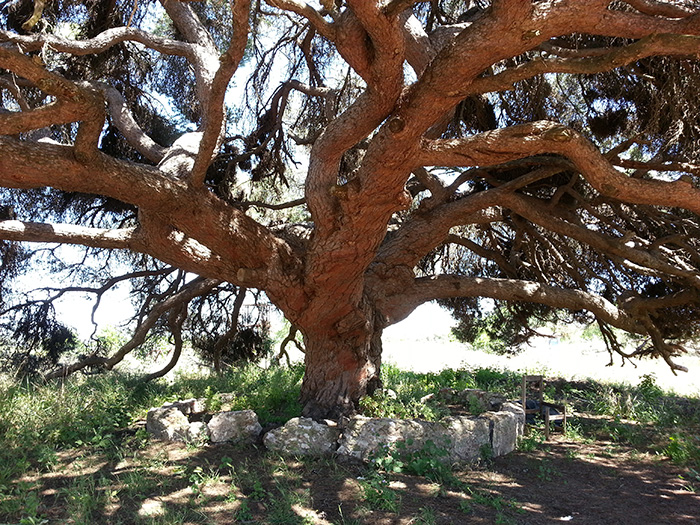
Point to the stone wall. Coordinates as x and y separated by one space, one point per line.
464 438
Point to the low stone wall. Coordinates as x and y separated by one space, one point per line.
171 423
464 438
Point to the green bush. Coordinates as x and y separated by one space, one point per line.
429 461
683 449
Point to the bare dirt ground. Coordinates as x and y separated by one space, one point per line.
582 481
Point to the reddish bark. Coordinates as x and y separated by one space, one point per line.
340 370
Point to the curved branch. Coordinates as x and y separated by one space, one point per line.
9 82
654 8
214 116
291 337
124 121
77 102
126 239
280 206
314 17
98 44
396 7
429 288
231 332
486 253
199 286
549 137
176 317
655 44
656 166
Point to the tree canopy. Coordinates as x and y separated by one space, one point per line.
353 160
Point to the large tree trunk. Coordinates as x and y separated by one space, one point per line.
340 369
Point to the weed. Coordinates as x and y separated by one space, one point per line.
475 406
20 499
377 493
486 454
82 499
257 492
532 441
572 454
466 507
226 463
504 519
243 513
213 399
426 516
33 521
429 461
546 472
683 449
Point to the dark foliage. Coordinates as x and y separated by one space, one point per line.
248 345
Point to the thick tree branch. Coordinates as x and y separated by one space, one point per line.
214 117
632 25
76 102
128 238
249 252
314 17
98 44
428 288
494 147
189 25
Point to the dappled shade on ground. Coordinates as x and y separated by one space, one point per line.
595 483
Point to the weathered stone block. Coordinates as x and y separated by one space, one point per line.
519 413
504 435
301 436
197 432
168 424
467 435
364 437
188 406
238 426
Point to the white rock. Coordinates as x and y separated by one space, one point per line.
197 432
167 423
238 426
302 436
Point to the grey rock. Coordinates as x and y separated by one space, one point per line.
467 435
197 432
236 426
365 437
301 436
462 438
517 410
504 435
167 423
188 406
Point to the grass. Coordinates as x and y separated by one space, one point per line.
81 436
